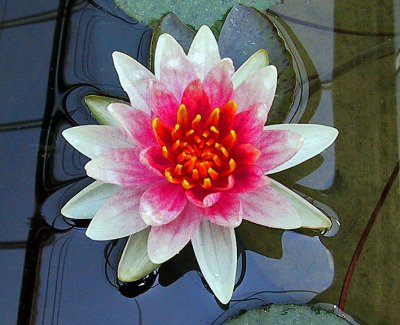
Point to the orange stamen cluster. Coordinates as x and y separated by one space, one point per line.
198 149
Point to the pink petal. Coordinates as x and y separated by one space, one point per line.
136 123
245 154
203 52
168 240
249 124
249 178
196 100
277 147
162 103
316 139
119 216
175 69
267 207
162 203
122 167
153 158
133 78
227 212
258 88
218 83
202 198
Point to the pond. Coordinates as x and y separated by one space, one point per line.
346 62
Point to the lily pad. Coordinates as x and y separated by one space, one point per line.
288 314
194 13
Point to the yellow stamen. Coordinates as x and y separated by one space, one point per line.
182 116
195 174
217 161
232 165
178 169
164 151
212 173
176 144
186 185
214 129
191 131
206 183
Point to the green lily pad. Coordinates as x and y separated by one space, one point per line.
247 30
288 314
194 13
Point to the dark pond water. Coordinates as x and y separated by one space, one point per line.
53 53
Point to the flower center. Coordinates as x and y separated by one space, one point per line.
198 149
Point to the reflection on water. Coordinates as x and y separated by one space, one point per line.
345 56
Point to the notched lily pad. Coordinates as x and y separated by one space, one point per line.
194 13
288 314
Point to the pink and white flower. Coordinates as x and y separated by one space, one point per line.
188 160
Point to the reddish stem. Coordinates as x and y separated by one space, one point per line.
364 236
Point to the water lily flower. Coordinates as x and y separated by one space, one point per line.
187 160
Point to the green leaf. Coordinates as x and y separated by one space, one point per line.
194 13
98 107
288 314
135 263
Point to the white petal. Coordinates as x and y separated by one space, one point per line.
260 87
94 140
203 52
133 78
119 216
310 216
252 65
316 139
215 250
87 202
98 106
135 263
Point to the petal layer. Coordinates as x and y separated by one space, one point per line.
277 147
162 203
136 123
171 65
267 207
218 85
94 140
135 263
168 240
316 139
227 212
122 167
310 216
162 102
119 216
250 67
203 52
133 78
87 202
216 253
258 88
